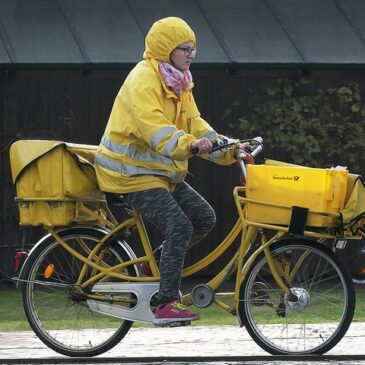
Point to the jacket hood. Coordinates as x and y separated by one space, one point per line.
165 35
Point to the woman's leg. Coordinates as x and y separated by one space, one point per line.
197 209
160 208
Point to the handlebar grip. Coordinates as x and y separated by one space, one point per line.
256 151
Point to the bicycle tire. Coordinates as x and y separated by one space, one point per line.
325 304
59 317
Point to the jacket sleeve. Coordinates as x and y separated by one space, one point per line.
161 134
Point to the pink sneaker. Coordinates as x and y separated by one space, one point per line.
146 269
174 312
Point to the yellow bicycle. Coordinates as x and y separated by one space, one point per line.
83 287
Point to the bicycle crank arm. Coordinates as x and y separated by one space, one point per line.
141 312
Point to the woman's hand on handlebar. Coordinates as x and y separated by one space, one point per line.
201 146
243 149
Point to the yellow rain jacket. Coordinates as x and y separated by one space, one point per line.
147 141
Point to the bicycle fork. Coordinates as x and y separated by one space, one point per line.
280 271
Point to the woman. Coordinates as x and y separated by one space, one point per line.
153 128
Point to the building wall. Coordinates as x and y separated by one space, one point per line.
73 105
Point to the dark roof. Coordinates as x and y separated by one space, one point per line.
247 32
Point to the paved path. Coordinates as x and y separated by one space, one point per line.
163 342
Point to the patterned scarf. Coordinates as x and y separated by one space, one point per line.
175 79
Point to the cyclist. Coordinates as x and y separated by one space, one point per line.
153 127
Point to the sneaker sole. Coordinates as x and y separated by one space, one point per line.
173 322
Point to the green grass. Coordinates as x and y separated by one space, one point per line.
12 317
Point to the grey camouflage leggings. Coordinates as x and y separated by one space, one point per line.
184 218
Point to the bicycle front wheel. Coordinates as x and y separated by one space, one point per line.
317 312
58 312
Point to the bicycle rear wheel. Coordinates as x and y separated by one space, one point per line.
57 312
317 313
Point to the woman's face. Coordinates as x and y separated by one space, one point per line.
182 56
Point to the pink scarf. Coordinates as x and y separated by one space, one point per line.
175 79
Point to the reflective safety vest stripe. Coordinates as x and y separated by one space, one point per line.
210 135
131 170
161 134
171 144
131 152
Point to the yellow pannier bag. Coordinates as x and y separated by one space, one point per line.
272 191
53 181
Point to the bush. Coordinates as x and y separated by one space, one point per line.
319 129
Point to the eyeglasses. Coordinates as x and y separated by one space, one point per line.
188 51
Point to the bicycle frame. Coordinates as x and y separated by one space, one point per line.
239 262
136 222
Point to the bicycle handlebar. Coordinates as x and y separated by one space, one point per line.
255 146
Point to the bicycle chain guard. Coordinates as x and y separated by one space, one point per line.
141 312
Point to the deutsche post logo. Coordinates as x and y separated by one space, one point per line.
288 178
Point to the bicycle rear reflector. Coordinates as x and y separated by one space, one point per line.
48 271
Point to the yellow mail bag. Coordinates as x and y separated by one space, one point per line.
274 190
52 180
